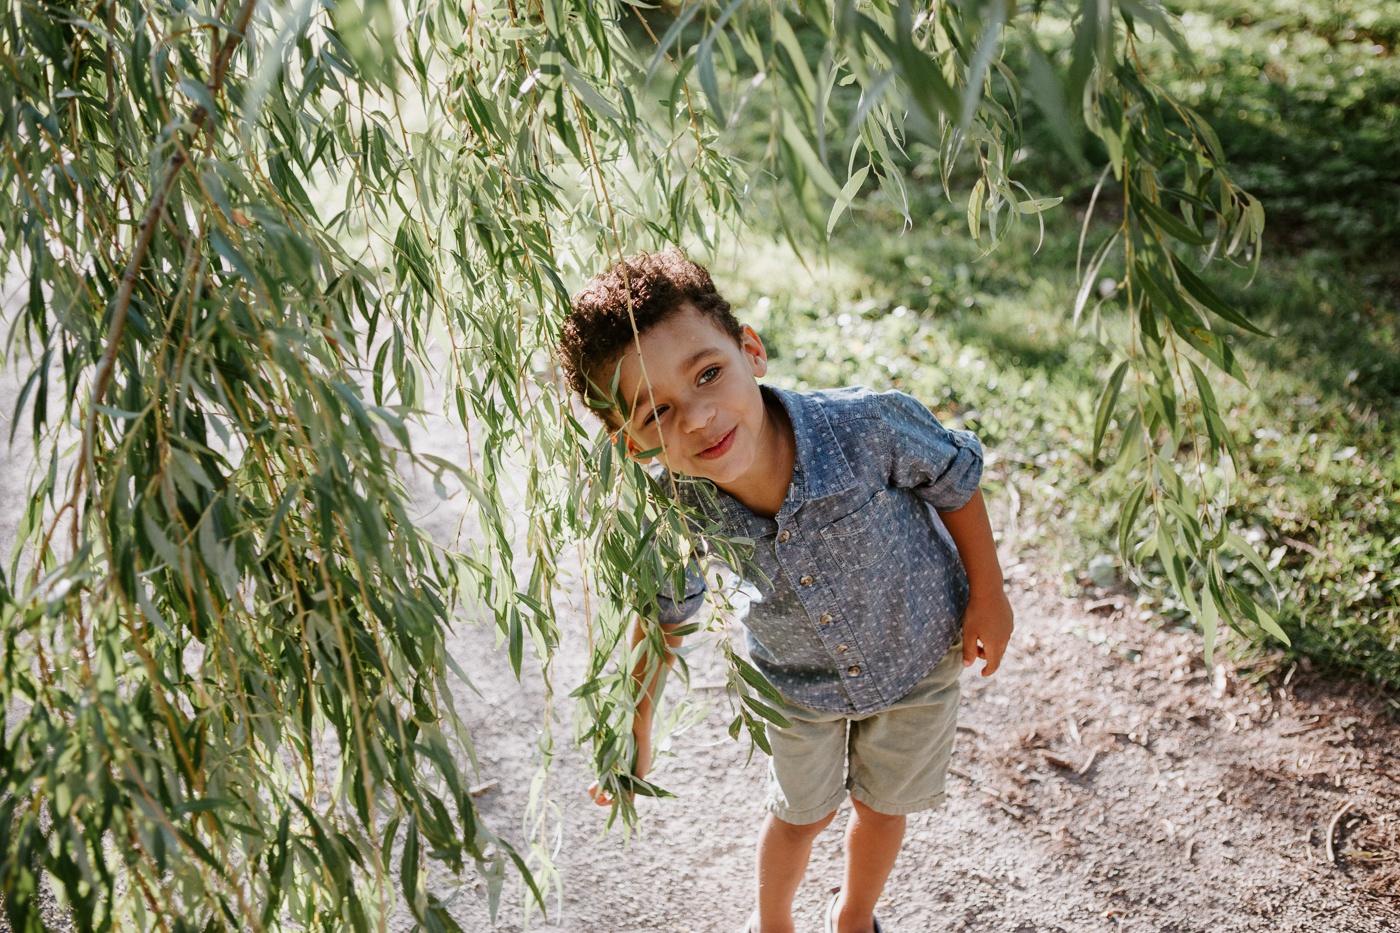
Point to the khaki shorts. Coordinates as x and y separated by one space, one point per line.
894 761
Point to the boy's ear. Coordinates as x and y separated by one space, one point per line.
754 351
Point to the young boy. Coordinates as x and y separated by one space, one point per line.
866 598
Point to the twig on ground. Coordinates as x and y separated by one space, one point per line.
480 789
1317 723
1002 805
1332 829
1302 546
1084 768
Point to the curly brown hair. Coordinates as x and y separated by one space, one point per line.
599 329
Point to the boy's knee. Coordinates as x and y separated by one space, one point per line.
864 812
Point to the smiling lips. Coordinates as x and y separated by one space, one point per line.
719 449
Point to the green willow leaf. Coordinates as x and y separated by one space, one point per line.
1128 517
1218 434
1202 292
1210 620
816 170
668 39
845 196
1159 216
1107 401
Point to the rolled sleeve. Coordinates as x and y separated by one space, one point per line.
942 467
671 610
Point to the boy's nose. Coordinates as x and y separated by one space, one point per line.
697 417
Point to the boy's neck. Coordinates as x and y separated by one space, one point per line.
764 487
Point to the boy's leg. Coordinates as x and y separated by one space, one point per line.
783 851
807 782
872 845
899 764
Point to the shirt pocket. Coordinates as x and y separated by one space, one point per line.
855 540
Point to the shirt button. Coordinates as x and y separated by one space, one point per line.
806 579
842 649
825 619
853 670
783 535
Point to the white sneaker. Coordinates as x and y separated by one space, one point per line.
831 912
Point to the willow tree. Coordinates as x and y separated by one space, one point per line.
241 226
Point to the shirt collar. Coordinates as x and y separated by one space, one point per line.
821 468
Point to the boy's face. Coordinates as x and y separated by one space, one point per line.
692 391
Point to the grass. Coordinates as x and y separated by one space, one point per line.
989 345
1306 99
1306 94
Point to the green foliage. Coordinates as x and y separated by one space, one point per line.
245 232
987 344
225 644
1305 96
1320 471
1308 96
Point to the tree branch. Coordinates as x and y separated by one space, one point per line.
144 234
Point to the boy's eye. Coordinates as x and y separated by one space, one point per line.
709 374
655 413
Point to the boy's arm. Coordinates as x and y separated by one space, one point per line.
642 721
988 621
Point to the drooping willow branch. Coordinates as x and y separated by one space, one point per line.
145 230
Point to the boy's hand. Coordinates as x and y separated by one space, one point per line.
987 626
600 796
987 622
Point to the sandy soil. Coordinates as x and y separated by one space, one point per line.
1102 781
1099 783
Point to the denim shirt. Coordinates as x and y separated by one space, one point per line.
863 591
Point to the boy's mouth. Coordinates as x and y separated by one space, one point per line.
720 448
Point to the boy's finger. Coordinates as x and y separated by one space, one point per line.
969 651
993 661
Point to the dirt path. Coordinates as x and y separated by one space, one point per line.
1099 783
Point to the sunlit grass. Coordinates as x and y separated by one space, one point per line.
989 344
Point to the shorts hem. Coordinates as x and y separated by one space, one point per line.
890 808
807 815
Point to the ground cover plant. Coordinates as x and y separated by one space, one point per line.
1306 102
988 345
245 231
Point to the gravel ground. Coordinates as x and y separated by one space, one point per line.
1099 783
